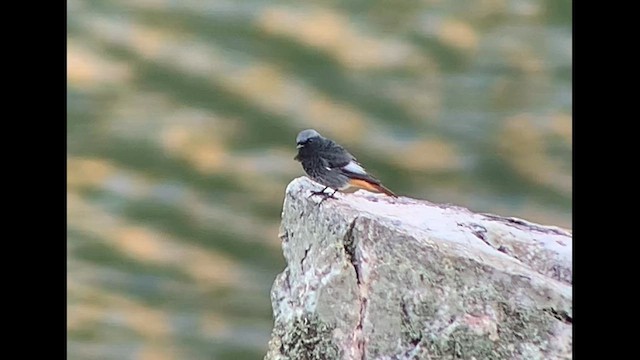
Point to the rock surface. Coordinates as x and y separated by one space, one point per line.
371 277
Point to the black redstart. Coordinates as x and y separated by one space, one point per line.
330 165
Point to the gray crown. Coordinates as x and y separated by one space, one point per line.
305 135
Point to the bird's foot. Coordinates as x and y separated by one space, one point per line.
324 195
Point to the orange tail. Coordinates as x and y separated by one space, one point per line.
377 188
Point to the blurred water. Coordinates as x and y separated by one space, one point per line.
182 118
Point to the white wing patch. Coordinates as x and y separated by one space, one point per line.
354 168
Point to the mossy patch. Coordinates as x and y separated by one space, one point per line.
519 330
411 331
307 338
524 325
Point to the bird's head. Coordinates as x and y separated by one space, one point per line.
306 137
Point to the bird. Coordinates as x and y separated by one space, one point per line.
330 165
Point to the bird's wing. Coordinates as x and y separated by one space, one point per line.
339 159
335 156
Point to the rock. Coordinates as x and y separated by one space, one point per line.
372 277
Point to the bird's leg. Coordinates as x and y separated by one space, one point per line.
319 192
324 195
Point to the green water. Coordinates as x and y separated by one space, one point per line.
182 118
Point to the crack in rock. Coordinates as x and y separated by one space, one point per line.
522 224
560 315
349 248
306 251
350 252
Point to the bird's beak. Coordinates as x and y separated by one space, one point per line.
299 146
